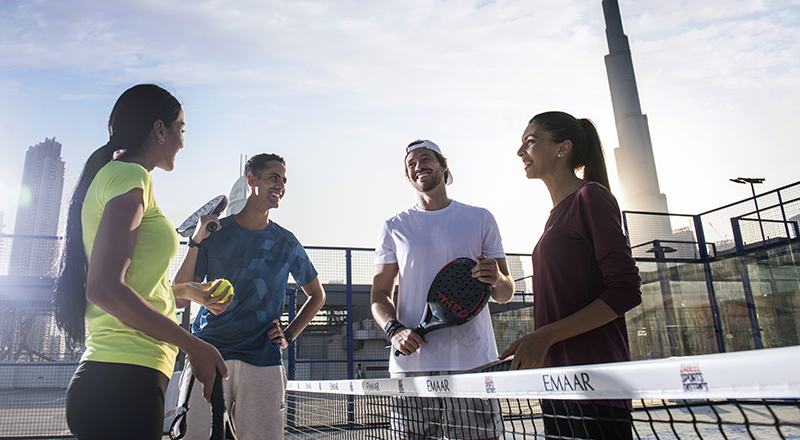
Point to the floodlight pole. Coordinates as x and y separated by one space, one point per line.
752 181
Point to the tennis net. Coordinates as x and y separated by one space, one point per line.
754 394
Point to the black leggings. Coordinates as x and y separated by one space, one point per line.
120 401
565 419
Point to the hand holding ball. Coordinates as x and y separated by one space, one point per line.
222 285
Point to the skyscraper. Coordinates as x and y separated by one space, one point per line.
636 166
38 210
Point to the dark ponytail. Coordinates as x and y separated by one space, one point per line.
69 292
587 151
130 122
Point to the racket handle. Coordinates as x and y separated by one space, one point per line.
420 331
217 410
211 227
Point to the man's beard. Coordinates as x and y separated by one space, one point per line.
430 184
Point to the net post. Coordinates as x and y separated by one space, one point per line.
350 361
290 355
291 403
349 289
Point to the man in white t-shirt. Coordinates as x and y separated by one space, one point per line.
413 246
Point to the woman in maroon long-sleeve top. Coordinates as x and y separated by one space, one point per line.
585 278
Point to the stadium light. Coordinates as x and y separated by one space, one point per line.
752 181
661 249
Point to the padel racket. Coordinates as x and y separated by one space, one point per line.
454 298
498 365
178 428
214 206
221 424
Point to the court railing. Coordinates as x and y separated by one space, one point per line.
706 296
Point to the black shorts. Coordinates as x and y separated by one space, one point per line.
120 401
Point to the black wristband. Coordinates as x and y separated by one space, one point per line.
392 327
193 244
288 336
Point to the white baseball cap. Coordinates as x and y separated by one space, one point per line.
424 143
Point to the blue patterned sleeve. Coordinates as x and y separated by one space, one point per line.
201 267
302 269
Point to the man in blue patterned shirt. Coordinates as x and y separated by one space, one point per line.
256 255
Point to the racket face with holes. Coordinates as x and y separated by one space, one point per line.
213 207
455 297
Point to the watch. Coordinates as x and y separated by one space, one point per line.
193 244
288 336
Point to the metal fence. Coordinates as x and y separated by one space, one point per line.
340 337
344 334
768 218
724 280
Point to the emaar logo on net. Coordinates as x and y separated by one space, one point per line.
372 386
578 381
438 386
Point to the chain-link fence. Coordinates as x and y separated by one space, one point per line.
724 280
759 221
344 335
341 336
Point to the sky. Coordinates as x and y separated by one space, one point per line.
340 88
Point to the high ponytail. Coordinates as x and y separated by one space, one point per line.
69 291
587 150
131 120
594 160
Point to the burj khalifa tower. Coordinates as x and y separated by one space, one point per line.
635 164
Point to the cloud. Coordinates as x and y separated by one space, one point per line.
295 47
335 85
10 87
70 97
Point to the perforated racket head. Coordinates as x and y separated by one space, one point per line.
214 206
455 297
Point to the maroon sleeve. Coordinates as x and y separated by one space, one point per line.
601 223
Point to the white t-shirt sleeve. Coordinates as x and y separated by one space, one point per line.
385 250
492 246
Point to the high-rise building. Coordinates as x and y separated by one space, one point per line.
34 246
636 166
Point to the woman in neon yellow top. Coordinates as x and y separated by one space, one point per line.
113 273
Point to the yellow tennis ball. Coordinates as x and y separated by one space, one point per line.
223 284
